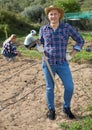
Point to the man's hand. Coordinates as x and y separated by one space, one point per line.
40 48
68 57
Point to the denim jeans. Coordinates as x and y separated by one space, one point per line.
63 71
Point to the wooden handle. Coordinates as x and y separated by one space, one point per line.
47 63
49 68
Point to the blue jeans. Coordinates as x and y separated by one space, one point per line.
63 71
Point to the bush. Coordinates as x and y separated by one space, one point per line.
33 13
15 24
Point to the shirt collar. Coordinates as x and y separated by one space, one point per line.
60 25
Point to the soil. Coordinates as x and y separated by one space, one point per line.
22 95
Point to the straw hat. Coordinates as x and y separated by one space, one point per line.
52 7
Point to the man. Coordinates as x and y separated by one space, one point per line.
29 40
54 36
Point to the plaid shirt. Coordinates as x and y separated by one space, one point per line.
8 48
55 41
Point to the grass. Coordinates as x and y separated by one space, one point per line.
82 57
87 36
33 54
84 123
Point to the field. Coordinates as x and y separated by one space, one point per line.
22 96
22 93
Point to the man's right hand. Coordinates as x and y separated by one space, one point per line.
40 48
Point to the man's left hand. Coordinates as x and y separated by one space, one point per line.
68 57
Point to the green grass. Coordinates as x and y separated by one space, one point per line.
82 57
82 124
87 36
33 54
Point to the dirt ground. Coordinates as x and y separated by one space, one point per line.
22 95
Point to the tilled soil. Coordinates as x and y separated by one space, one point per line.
22 95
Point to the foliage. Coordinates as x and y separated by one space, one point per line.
14 5
33 13
67 4
18 6
4 28
86 5
33 9
15 24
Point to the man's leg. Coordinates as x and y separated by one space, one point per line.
49 92
64 73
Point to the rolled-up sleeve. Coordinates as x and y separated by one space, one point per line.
77 37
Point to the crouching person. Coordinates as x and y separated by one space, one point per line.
30 41
9 50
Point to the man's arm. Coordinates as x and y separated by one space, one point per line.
73 53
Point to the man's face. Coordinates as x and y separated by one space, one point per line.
54 16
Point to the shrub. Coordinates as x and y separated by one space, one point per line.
15 24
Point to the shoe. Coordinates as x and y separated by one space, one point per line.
51 114
68 112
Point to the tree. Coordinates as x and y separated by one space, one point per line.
12 23
33 13
68 5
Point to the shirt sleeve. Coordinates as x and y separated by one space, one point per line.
76 37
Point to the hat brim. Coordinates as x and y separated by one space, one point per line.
61 11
